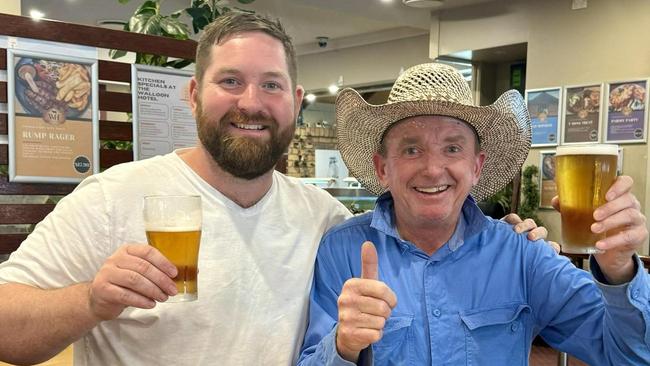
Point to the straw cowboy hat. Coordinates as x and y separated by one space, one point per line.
503 128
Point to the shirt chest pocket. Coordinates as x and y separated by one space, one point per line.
497 335
394 348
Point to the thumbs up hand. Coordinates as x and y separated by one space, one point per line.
364 305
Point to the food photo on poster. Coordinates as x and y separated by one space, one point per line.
44 86
53 122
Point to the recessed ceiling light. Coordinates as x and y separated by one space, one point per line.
333 89
310 97
36 14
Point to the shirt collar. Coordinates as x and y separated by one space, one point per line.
471 222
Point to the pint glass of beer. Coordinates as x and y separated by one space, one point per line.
173 226
583 174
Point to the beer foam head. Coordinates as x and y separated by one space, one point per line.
171 229
595 149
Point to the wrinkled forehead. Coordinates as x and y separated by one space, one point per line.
420 124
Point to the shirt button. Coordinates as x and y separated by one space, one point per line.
514 327
436 313
635 294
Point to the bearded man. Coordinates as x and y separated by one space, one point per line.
84 275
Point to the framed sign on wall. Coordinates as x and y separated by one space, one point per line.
544 109
581 113
626 115
53 133
162 116
547 186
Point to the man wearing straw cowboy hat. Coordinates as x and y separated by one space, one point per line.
445 284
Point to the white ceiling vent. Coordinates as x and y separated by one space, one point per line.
423 3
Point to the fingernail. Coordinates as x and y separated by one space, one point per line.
533 237
172 272
171 290
596 228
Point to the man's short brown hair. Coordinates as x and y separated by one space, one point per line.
235 22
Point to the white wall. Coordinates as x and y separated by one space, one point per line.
365 65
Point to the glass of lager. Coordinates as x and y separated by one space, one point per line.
583 174
173 226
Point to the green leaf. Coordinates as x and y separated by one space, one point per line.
198 12
200 17
146 24
123 1
116 53
245 1
178 64
174 29
150 7
176 14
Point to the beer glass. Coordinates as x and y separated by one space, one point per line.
583 174
173 226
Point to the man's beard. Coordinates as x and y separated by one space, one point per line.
243 157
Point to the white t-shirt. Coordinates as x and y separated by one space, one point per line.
255 264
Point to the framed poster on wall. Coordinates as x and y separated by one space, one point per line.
626 115
544 109
52 104
581 113
548 189
162 116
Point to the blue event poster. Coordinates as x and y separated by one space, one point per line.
544 110
626 111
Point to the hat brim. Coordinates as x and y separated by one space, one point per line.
503 128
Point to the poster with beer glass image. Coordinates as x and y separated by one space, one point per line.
544 109
53 135
626 113
582 114
583 175
547 186
173 226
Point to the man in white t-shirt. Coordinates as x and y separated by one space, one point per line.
84 276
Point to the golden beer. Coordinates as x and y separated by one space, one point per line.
584 173
173 226
181 247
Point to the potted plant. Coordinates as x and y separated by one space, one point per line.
147 19
530 192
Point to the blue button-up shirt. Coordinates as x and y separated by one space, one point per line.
478 300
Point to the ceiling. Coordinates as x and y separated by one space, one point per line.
345 22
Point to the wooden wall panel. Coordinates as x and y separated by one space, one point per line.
10 242
109 157
18 26
110 130
24 213
112 101
13 188
4 123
